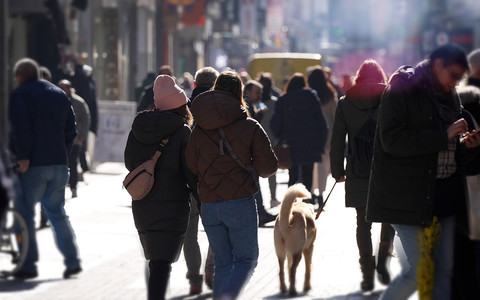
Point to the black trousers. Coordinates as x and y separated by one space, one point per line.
306 173
158 280
72 165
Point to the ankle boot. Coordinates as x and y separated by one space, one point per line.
383 263
367 265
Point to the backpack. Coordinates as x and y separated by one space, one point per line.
361 160
140 180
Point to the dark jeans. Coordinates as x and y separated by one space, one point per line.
306 172
72 165
158 280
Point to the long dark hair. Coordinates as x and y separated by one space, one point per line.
318 81
296 81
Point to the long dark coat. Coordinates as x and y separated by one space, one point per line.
161 218
303 124
352 111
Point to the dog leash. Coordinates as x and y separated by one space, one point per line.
320 209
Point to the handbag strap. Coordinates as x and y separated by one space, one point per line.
224 141
160 148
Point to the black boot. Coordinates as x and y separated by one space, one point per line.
367 265
383 263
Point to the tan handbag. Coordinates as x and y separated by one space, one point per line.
139 181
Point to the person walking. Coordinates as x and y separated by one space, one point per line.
269 100
43 130
466 271
252 95
161 218
226 189
82 117
318 81
203 81
417 180
299 119
353 111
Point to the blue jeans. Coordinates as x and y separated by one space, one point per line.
405 284
47 185
232 230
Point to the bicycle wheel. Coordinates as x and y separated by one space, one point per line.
13 243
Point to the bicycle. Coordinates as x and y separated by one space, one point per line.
13 243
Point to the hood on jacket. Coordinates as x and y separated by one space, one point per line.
365 95
214 109
152 126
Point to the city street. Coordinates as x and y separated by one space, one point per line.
114 267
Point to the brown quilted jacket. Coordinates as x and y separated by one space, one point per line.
220 176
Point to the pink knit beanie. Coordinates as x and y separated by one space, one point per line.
167 94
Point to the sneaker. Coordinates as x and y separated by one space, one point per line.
71 271
274 202
74 193
24 275
266 218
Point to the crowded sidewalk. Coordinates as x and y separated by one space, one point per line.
114 267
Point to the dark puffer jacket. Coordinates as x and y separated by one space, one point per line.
352 112
220 177
161 218
305 126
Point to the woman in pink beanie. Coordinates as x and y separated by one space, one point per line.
161 218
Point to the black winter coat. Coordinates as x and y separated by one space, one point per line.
161 218
305 126
352 112
409 137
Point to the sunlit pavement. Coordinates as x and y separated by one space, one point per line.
114 267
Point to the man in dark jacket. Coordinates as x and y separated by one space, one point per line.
43 129
203 81
416 174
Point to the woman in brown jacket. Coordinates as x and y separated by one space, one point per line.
227 189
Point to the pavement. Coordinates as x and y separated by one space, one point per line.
114 266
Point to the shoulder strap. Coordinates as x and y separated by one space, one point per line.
224 141
160 148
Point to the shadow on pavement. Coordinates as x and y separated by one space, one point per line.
357 296
20 285
189 297
286 296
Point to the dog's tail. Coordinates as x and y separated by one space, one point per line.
295 191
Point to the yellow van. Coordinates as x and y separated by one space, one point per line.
281 65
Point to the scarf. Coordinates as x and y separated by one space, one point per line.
446 103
